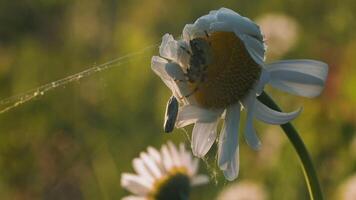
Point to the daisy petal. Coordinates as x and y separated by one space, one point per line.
267 115
174 71
135 184
255 48
151 165
300 77
167 158
168 48
141 170
200 180
154 154
203 137
158 65
220 26
228 141
242 24
174 154
250 133
190 114
232 170
178 84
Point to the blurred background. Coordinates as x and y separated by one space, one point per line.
75 141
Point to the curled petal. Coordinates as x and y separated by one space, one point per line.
220 26
267 115
255 48
242 24
232 170
300 77
203 137
190 114
250 133
228 140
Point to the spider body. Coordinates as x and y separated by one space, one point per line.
198 62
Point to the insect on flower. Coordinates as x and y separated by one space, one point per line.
218 69
171 114
198 61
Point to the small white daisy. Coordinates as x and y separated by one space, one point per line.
217 69
160 175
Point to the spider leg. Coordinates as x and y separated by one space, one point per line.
206 34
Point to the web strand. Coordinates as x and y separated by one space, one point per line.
17 100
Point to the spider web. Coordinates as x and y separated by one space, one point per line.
17 100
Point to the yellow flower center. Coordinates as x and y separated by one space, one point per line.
230 73
174 186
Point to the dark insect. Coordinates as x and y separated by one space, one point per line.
198 62
171 114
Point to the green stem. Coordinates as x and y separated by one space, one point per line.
293 136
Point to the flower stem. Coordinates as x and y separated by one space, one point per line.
293 136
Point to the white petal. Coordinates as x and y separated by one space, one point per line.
264 79
190 31
183 154
237 22
174 71
200 180
167 158
173 76
173 51
228 140
250 133
151 165
199 27
158 65
154 154
203 137
203 22
180 85
174 153
255 48
186 157
141 169
300 77
168 48
190 114
135 184
232 170
220 26
267 115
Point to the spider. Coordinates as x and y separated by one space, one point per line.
198 61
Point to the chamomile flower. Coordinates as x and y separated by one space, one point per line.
166 174
217 69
